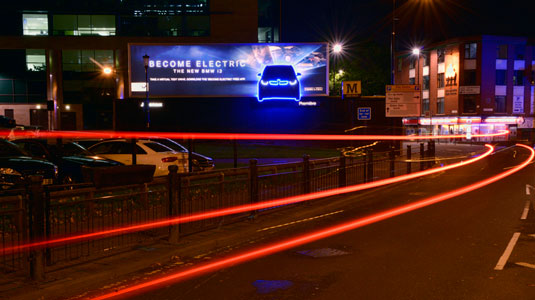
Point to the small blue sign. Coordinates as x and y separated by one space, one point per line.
364 113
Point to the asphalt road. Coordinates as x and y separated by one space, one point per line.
445 251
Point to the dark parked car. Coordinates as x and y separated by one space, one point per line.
199 161
6 122
69 157
16 165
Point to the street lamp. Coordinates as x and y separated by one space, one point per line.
416 51
337 50
147 107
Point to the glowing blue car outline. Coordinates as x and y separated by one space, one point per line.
265 85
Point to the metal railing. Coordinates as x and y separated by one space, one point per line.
48 212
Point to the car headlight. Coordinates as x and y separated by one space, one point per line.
294 82
264 82
9 171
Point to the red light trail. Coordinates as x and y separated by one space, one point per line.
317 235
230 136
240 208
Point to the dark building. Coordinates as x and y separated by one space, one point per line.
58 50
472 85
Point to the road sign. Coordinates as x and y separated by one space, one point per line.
402 100
364 113
351 88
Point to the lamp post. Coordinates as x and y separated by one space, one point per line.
393 44
107 71
337 49
146 106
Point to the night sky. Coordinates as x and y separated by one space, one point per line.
420 22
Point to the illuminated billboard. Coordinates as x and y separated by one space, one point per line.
265 71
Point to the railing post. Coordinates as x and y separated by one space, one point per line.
422 156
342 171
409 157
174 190
392 162
37 226
369 173
306 174
253 183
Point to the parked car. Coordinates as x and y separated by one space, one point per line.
6 122
86 143
199 162
69 157
16 165
147 152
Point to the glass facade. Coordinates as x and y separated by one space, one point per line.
86 60
17 83
77 25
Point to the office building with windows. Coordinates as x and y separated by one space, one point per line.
54 52
472 85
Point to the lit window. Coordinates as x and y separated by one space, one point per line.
86 60
103 25
35 60
35 24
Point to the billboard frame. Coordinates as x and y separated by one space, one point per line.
129 80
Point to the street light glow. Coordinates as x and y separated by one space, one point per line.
416 51
337 48
106 70
340 72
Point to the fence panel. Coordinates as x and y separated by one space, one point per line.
13 230
90 210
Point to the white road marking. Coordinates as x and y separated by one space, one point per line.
527 189
526 210
505 256
300 221
523 264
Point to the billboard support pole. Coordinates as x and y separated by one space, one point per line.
147 106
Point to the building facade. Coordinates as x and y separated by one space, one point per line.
472 85
55 52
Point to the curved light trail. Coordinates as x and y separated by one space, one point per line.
240 208
231 136
314 236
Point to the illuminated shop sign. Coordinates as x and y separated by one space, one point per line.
266 71
463 120
504 120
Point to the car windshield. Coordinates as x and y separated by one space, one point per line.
157 147
171 144
279 72
73 149
9 149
